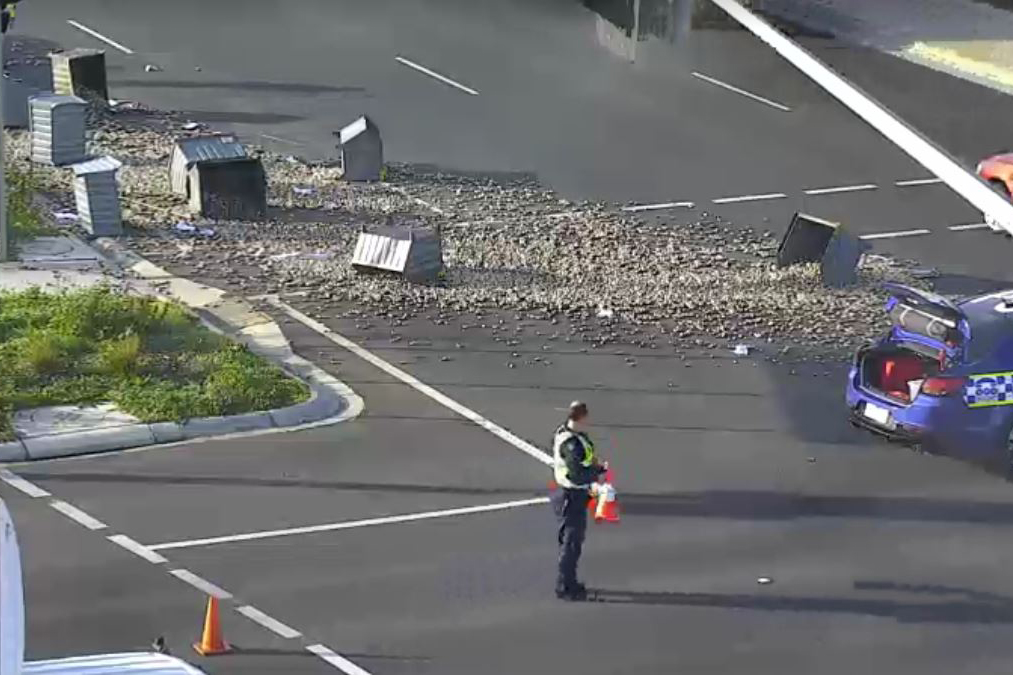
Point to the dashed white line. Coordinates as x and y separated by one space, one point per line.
280 139
895 235
336 660
968 226
99 36
918 181
200 584
421 202
77 515
414 382
749 198
137 548
843 188
348 524
19 483
742 92
436 76
270 623
658 207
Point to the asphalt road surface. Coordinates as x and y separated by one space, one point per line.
728 470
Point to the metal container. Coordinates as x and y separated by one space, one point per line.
361 150
417 255
97 196
189 151
80 72
809 239
234 189
57 124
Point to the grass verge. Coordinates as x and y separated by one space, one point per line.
152 359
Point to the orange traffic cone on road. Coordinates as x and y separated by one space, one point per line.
212 642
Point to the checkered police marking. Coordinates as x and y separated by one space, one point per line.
989 390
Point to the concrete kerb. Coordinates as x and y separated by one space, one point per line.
331 401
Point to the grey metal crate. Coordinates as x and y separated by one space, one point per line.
416 255
97 194
80 72
57 125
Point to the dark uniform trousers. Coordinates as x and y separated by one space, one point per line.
570 507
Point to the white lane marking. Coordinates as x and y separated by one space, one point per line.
270 623
349 524
658 207
414 383
436 76
200 584
19 483
103 38
421 202
742 92
968 226
280 140
894 235
336 660
934 159
749 198
137 548
918 181
843 188
77 515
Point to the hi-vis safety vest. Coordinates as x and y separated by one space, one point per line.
563 434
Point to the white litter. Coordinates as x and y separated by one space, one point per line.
191 126
283 256
742 350
605 313
303 191
185 227
152 68
206 232
764 581
65 216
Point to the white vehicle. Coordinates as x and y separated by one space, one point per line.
12 630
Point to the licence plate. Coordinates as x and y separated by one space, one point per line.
877 414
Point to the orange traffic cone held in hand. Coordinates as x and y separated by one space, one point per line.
212 642
604 507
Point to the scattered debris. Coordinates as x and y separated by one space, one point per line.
303 191
764 581
192 126
65 216
152 68
742 350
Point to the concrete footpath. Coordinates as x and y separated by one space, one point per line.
67 262
965 38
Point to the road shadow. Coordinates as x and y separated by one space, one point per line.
770 505
243 85
959 606
238 117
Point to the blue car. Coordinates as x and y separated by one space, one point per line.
942 377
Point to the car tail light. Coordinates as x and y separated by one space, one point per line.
943 386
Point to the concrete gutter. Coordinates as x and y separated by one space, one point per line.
331 401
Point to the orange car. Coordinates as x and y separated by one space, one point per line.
997 170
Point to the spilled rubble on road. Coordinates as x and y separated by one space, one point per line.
509 245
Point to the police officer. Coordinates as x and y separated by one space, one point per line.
8 11
576 473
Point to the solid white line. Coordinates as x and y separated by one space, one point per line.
433 74
77 515
336 660
657 207
935 160
137 548
844 188
349 524
19 483
103 38
743 92
968 226
414 383
200 584
270 623
749 198
918 181
894 235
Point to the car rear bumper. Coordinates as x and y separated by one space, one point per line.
899 434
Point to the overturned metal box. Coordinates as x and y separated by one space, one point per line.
416 255
97 195
190 151
813 240
57 126
233 189
361 150
80 72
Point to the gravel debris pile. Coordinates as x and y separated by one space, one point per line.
509 244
